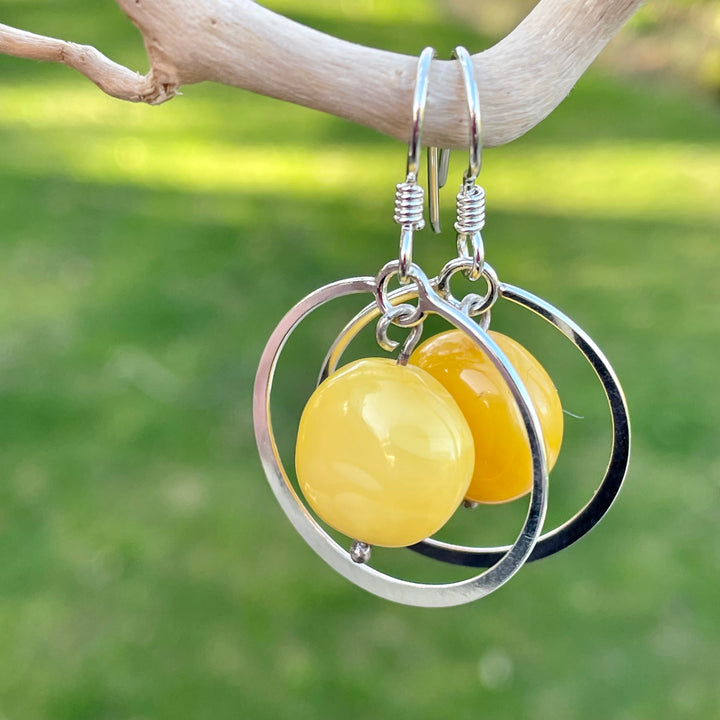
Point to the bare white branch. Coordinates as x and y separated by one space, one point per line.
237 42
114 79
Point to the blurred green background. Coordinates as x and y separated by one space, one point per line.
146 570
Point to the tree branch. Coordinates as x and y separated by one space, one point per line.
521 79
111 78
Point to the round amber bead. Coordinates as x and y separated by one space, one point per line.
384 454
503 463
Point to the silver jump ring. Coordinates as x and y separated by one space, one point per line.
473 100
382 294
418 111
398 316
476 304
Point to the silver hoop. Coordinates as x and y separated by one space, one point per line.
583 521
374 581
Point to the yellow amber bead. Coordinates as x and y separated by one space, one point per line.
503 464
383 454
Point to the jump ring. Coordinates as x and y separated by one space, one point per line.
477 304
401 316
382 293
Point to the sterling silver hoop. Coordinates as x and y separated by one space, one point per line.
374 581
590 515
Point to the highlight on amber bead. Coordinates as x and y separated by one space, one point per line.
503 462
384 453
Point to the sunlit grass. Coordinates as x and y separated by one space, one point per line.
375 11
632 180
145 255
173 150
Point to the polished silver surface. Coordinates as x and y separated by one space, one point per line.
583 521
470 210
409 196
410 315
590 515
409 199
376 310
472 304
360 552
438 162
473 101
394 317
470 221
405 252
398 299
470 201
363 575
410 344
418 112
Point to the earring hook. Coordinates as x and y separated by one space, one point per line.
418 111
409 196
473 101
439 159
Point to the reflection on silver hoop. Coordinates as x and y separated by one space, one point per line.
583 521
381 584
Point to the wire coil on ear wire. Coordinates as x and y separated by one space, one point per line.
470 210
409 205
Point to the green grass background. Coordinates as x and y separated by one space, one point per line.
146 254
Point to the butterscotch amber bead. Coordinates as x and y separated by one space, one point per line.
503 463
384 454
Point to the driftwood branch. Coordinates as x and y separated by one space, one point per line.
109 76
237 42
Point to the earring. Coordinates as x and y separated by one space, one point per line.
388 449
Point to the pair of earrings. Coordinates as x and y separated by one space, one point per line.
388 449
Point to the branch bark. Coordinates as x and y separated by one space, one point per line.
109 76
521 79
